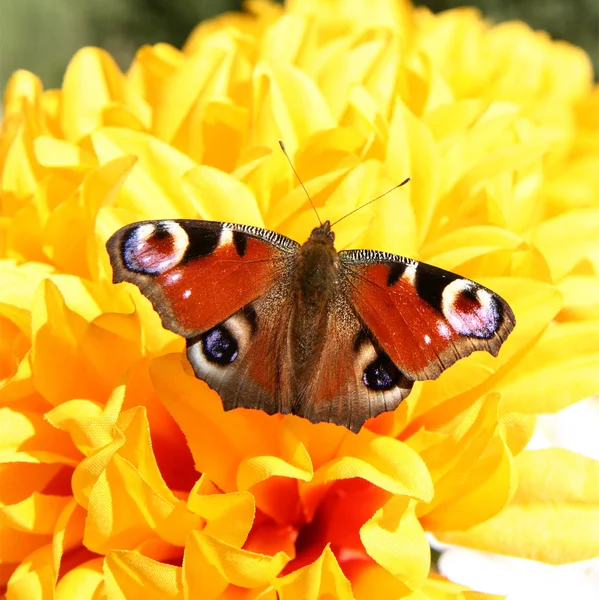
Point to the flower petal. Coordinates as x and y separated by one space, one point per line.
281 94
131 575
323 578
385 462
561 369
567 239
394 538
219 196
84 582
34 577
210 565
554 515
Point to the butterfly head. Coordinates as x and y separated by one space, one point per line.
323 234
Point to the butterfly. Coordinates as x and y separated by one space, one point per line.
304 329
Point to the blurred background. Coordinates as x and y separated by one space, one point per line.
42 35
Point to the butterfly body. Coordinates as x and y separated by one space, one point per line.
304 329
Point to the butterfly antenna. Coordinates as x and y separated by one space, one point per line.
371 201
298 178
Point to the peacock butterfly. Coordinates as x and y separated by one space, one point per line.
287 328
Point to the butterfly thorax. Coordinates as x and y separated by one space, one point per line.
317 267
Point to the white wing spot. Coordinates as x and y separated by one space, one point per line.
172 278
226 237
410 274
443 330
427 339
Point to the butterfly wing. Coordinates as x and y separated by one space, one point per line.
423 317
339 389
224 287
198 273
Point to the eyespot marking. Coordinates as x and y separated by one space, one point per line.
219 346
153 248
471 310
223 345
381 374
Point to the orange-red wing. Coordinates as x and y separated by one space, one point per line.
198 273
425 318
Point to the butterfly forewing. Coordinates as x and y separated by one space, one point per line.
198 273
436 316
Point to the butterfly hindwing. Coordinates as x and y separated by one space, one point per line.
424 317
352 379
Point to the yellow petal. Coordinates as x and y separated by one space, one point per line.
140 507
130 479
92 81
84 582
411 145
323 578
68 533
581 297
16 295
198 79
438 588
131 575
36 514
27 437
34 578
554 515
385 462
210 565
221 198
20 172
478 479
66 344
21 86
567 239
394 538
154 187
228 517
294 462
560 370
219 441
51 152
373 581
281 94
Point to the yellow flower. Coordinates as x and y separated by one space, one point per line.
121 474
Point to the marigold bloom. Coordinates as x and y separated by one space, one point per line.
121 474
